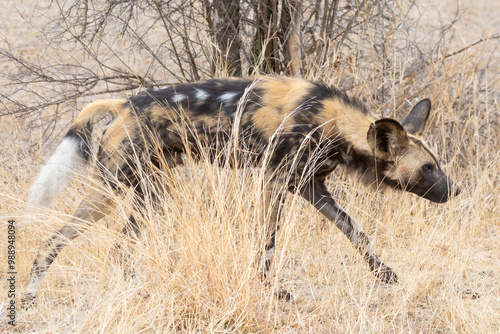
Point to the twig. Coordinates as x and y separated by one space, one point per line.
471 45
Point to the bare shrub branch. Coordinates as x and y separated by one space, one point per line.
97 48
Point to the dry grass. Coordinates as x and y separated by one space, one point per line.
196 268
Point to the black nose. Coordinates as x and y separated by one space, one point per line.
457 191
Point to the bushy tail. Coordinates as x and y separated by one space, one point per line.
71 156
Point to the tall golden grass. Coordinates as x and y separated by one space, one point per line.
196 268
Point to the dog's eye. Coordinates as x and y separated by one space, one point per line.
427 167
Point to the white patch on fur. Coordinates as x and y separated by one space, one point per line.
55 174
178 98
227 97
201 94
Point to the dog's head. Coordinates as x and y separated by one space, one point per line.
407 162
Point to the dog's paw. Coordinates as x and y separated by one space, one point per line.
386 274
28 300
284 295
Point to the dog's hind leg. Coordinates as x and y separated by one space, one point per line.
93 207
273 203
133 231
274 198
147 196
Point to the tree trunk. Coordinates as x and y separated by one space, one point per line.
290 36
227 29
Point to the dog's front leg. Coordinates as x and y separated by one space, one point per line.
317 194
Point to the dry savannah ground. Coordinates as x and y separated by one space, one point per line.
196 266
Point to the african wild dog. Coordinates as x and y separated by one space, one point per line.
312 128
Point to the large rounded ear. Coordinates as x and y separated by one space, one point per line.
414 123
387 136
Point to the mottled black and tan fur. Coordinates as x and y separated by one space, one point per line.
298 131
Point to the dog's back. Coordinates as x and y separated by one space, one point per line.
218 114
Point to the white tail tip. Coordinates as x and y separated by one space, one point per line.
55 174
